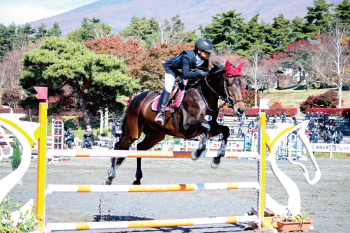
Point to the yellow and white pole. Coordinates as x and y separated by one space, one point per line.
261 167
41 174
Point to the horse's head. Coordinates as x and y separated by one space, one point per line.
232 87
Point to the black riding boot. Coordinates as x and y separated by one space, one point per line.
163 100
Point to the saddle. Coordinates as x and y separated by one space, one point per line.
175 97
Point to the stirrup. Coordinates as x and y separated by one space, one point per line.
160 118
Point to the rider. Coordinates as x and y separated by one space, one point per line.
88 137
194 64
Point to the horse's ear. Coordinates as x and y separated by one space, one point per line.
239 67
228 65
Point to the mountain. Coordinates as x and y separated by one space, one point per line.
118 13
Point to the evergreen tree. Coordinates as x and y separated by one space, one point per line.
298 29
41 31
95 79
55 30
280 34
140 28
91 29
25 35
253 38
226 31
5 40
17 155
343 12
318 18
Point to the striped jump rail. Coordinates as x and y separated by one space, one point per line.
150 188
147 154
149 223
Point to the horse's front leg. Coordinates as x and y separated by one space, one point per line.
216 129
202 144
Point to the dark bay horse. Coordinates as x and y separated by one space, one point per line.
196 116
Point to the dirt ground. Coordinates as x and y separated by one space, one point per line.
326 203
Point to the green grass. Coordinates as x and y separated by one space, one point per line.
326 155
293 98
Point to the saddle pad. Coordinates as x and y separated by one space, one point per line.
178 100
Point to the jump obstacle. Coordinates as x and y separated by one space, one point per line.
267 140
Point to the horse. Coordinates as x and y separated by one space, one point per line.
196 116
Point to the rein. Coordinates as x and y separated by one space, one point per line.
228 99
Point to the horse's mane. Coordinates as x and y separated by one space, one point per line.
216 68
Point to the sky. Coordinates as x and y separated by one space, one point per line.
25 11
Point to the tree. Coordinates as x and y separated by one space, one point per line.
55 30
343 11
144 64
254 37
151 70
331 62
257 73
91 29
131 52
95 79
298 29
25 36
276 104
326 100
301 53
225 31
10 69
41 31
140 28
174 32
280 34
11 97
5 40
318 18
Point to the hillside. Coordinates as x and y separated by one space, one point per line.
118 13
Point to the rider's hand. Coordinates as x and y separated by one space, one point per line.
203 73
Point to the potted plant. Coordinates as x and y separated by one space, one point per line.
296 223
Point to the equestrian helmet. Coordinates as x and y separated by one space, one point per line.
204 44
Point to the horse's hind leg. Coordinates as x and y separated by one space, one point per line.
148 142
116 162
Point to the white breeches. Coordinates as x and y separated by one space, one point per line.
169 80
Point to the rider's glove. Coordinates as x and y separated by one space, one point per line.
203 73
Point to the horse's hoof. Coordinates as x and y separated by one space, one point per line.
107 182
215 162
136 182
194 155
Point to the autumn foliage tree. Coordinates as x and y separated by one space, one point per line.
249 97
144 64
276 104
328 99
11 97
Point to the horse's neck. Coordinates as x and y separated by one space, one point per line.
210 97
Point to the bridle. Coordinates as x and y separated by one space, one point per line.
227 99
